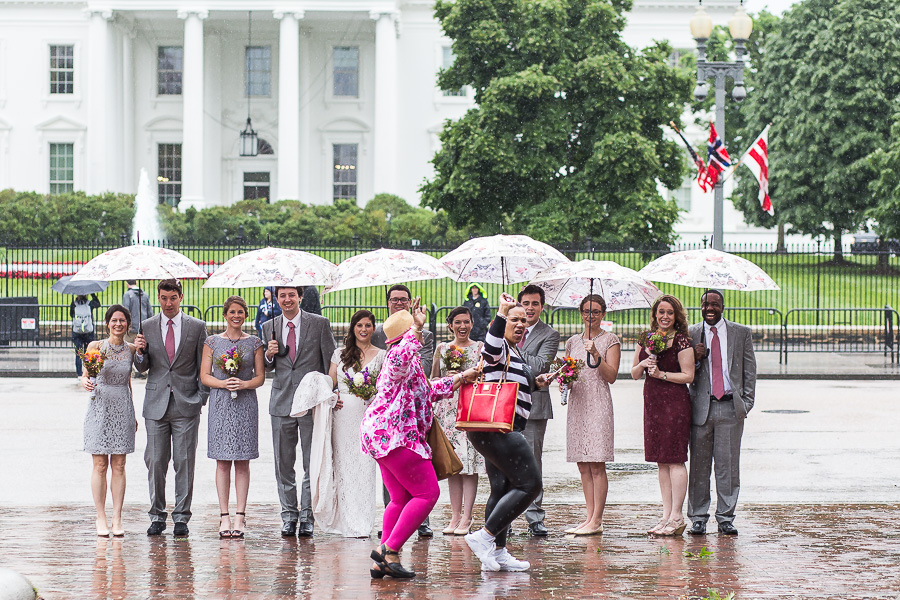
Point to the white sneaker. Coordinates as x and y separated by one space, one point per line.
484 549
508 562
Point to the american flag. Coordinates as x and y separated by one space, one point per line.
757 160
718 160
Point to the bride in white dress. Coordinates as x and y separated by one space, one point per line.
354 472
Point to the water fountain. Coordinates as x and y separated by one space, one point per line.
146 224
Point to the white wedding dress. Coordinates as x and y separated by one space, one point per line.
354 472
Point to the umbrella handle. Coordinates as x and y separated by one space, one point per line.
281 351
590 364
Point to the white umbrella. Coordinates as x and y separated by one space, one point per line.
272 267
708 268
139 262
502 259
566 284
386 267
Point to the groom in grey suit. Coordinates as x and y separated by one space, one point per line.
722 393
170 349
538 348
297 342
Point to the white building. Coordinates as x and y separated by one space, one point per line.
342 93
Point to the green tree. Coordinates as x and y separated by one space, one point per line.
566 141
70 218
828 83
886 188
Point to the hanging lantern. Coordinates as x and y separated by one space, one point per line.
249 141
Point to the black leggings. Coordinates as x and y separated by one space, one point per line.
514 476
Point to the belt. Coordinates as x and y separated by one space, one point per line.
725 398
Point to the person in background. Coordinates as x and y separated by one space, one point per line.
310 300
138 304
82 312
481 312
267 310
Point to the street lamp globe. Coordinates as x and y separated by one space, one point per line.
740 25
701 91
701 24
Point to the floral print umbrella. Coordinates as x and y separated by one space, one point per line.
386 267
139 262
708 268
272 267
566 284
502 259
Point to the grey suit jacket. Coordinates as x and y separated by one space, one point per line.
426 352
741 370
181 377
314 350
540 348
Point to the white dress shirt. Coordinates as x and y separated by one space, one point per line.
723 346
285 330
176 328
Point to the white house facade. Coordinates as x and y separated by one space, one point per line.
342 94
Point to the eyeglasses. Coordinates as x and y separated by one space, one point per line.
592 313
398 300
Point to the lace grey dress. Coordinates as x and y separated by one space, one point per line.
109 422
233 424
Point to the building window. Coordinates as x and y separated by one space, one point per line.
169 174
62 168
62 69
259 71
169 70
345 171
346 71
256 186
682 195
264 147
447 63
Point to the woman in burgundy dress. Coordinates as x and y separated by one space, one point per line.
667 407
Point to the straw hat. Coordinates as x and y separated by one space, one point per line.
396 325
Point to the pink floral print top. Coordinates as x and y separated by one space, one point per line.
399 415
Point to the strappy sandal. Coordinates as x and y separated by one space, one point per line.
239 533
224 534
394 569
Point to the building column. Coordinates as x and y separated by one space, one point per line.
385 130
192 188
100 109
129 183
288 152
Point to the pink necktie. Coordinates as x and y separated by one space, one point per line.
521 343
718 382
170 341
291 341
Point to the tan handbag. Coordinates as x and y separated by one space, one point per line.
443 457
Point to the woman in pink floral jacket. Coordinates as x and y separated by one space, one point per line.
394 431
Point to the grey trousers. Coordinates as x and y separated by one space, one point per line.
718 440
174 437
286 432
535 429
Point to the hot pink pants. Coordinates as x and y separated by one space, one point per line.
413 486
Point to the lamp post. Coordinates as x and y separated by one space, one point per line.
741 26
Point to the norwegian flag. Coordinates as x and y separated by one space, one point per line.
718 159
757 160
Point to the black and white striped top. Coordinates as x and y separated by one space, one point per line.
495 351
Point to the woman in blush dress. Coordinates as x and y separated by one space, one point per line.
589 424
463 487
667 407
110 424
354 472
233 437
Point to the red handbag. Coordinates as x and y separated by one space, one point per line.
488 406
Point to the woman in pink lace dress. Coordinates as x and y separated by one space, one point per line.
394 431
589 425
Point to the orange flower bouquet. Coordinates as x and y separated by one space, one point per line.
93 362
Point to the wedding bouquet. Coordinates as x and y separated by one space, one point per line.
230 363
568 369
655 343
454 359
362 384
93 361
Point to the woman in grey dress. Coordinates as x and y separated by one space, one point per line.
233 411
110 424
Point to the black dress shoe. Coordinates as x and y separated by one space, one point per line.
181 530
538 529
727 528
156 528
698 528
425 532
289 529
305 529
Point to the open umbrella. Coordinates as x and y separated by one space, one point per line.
386 267
65 285
708 268
502 259
272 267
